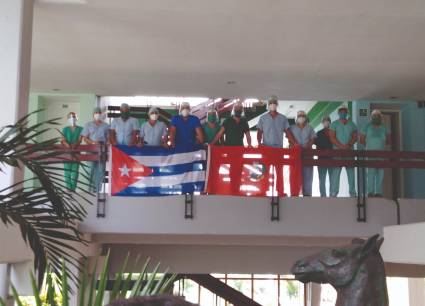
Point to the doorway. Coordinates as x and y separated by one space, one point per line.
393 182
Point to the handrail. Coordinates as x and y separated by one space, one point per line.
64 154
365 158
310 157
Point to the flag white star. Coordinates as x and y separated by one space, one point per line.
125 170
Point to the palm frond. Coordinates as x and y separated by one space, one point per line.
46 212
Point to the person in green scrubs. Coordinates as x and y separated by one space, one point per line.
212 126
71 139
343 135
374 136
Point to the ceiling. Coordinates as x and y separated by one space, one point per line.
296 49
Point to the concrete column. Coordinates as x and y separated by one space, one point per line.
15 63
416 291
5 284
316 291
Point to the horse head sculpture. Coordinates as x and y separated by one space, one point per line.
356 271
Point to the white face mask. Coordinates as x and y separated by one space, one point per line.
97 117
185 112
153 117
326 124
301 120
72 121
273 107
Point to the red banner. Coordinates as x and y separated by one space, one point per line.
258 172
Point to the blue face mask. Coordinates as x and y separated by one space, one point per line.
343 116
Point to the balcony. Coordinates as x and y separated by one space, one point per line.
213 228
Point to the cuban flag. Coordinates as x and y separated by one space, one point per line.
156 171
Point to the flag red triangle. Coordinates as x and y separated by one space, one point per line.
125 170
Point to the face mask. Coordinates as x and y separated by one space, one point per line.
273 107
376 120
343 116
185 112
125 115
212 118
97 117
238 113
153 117
72 121
326 124
301 120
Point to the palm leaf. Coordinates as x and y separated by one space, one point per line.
83 284
138 285
46 215
102 282
35 290
148 287
92 284
16 296
64 288
118 281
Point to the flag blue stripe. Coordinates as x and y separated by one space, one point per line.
163 191
157 151
179 169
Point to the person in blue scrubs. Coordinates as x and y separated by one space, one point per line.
375 136
272 125
304 136
96 132
185 129
125 129
153 132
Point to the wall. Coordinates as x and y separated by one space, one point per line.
413 121
402 244
226 215
413 138
41 101
87 101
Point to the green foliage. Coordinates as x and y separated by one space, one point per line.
292 289
47 213
55 291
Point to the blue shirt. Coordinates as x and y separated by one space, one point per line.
273 128
96 132
153 135
185 130
124 129
303 135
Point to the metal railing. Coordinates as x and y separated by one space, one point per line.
360 159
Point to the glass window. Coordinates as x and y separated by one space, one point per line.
242 285
266 292
291 293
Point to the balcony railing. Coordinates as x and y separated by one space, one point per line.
360 159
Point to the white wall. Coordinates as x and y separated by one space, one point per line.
405 243
222 215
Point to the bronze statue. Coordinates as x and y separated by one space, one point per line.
356 271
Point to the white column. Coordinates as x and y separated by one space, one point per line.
5 284
416 291
316 291
15 63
